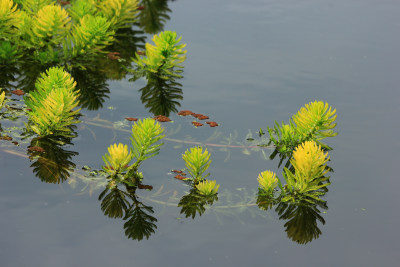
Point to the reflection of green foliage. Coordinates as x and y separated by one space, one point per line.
139 222
116 203
52 103
162 58
301 225
53 164
154 15
314 122
8 52
194 203
197 162
160 95
93 87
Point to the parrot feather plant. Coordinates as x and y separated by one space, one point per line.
314 122
197 162
306 182
52 104
145 135
163 58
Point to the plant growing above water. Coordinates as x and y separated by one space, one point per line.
307 181
162 58
197 162
314 122
207 187
145 134
51 104
2 97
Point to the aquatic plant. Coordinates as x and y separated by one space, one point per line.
2 97
207 187
118 158
89 36
121 13
145 134
197 162
50 26
162 58
52 103
314 122
267 182
9 17
309 162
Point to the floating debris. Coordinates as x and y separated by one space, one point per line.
141 53
162 118
180 172
131 119
203 117
140 7
18 92
15 143
113 55
5 137
197 124
36 149
143 186
185 113
212 123
180 177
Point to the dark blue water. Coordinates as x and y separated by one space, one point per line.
249 63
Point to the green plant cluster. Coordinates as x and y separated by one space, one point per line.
306 181
145 135
314 122
52 104
49 32
163 58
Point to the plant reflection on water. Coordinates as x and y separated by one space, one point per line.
64 67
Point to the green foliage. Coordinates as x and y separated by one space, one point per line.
154 15
308 180
33 6
197 162
90 36
314 122
194 203
118 158
2 97
121 13
267 182
207 187
140 223
52 103
9 17
50 26
162 58
145 134
81 8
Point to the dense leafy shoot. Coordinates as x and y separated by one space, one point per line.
207 187
267 181
197 162
117 159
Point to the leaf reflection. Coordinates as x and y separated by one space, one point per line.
193 203
116 203
52 163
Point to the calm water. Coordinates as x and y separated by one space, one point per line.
249 63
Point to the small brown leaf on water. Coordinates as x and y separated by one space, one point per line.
18 92
5 137
180 177
131 119
212 123
197 124
143 186
185 113
36 149
162 118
